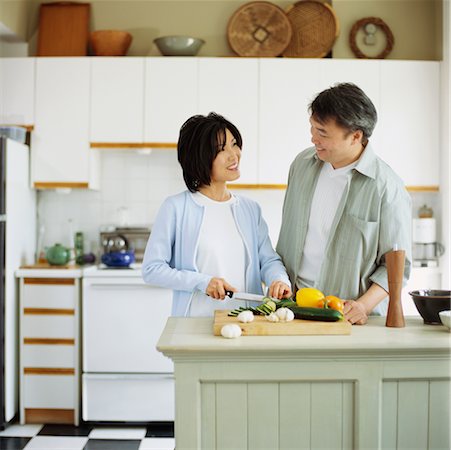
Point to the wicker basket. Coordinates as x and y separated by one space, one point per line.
315 29
110 42
259 29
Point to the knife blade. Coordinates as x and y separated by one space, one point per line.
245 296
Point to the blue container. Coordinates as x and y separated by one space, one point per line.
119 259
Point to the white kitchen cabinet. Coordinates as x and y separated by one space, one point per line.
287 86
117 100
409 120
60 153
229 87
49 343
171 97
17 91
124 376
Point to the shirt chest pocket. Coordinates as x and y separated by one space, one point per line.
356 239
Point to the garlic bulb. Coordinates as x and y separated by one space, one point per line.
230 331
285 314
245 316
273 317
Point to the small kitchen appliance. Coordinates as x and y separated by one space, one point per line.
426 250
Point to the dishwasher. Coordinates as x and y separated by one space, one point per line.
124 377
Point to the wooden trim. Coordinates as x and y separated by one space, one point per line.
133 145
59 184
65 281
284 186
256 186
49 415
422 188
27 127
49 311
48 341
48 371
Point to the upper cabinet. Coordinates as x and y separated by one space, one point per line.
17 77
60 152
405 94
229 86
409 134
117 100
142 102
171 97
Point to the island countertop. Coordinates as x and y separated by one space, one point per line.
376 388
189 336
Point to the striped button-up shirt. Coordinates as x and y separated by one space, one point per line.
373 215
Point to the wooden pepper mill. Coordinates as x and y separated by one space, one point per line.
395 271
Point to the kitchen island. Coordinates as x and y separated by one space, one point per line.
376 388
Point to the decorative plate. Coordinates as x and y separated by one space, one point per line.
315 29
259 29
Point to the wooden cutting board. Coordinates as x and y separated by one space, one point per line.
63 29
260 326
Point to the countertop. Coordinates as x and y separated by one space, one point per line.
45 270
185 337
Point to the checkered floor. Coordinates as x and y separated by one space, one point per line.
159 436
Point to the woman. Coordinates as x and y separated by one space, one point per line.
205 240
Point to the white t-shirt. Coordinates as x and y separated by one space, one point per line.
220 253
326 198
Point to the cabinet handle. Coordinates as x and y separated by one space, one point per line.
48 371
49 311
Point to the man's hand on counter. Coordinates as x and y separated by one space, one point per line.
355 312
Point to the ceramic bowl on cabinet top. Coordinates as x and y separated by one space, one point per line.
445 317
179 45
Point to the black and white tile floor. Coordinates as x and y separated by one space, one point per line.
88 437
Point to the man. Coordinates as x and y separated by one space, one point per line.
344 207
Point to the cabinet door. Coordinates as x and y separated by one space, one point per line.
60 142
229 86
409 119
17 91
287 86
117 99
171 97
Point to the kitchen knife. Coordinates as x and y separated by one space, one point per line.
245 296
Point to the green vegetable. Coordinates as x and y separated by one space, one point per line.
321 314
285 303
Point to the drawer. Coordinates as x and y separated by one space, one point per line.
48 326
140 398
48 356
49 391
57 296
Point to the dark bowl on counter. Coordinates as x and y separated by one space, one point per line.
430 302
119 259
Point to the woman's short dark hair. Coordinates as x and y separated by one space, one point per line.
200 140
348 105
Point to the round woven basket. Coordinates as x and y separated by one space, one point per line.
315 29
110 42
259 29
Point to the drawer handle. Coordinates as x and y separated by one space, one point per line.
48 371
48 341
49 311
66 281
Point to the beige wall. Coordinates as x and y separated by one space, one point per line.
416 24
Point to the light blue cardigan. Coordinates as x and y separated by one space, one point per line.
170 256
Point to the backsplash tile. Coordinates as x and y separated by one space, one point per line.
134 185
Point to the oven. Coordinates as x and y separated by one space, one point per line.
124 377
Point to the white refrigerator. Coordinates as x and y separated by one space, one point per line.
17 247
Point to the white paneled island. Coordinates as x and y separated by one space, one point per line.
376 388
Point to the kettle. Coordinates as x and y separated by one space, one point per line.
58 255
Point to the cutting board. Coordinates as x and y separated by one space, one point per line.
260 326
63 29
